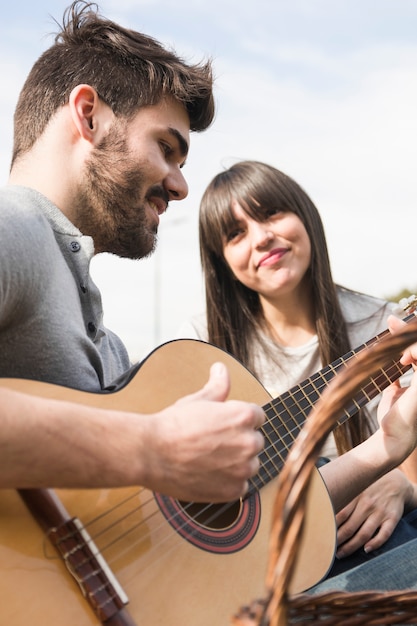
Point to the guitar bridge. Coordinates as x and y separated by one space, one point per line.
88 567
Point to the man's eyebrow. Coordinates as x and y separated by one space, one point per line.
181 140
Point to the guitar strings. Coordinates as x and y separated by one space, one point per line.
272 414
145 520
162 526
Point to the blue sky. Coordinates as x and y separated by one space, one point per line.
325 90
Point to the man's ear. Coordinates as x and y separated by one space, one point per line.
84 104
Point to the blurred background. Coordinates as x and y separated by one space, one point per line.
325 90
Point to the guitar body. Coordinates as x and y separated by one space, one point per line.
176 568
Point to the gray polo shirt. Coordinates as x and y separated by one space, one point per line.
51 318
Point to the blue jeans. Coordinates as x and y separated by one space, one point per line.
392 567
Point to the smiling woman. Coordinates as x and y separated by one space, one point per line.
271 271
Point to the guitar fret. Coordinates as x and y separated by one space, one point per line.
374 387
274 431
301 401
311 392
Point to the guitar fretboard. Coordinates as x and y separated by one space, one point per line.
287 414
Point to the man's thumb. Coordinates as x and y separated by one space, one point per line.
218 385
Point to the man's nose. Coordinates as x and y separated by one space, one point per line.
176 185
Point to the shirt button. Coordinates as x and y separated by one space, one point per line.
91 327
75 246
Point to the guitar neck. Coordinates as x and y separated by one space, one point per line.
287 414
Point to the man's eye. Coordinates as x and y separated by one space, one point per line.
166 148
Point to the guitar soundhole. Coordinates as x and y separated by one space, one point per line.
219 528
216 516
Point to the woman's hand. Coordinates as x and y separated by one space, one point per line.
370 519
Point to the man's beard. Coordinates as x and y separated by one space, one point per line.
110 200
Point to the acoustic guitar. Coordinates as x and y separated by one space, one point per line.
143 559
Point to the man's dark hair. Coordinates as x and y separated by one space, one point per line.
128 70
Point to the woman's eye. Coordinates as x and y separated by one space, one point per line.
233 234
272 212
